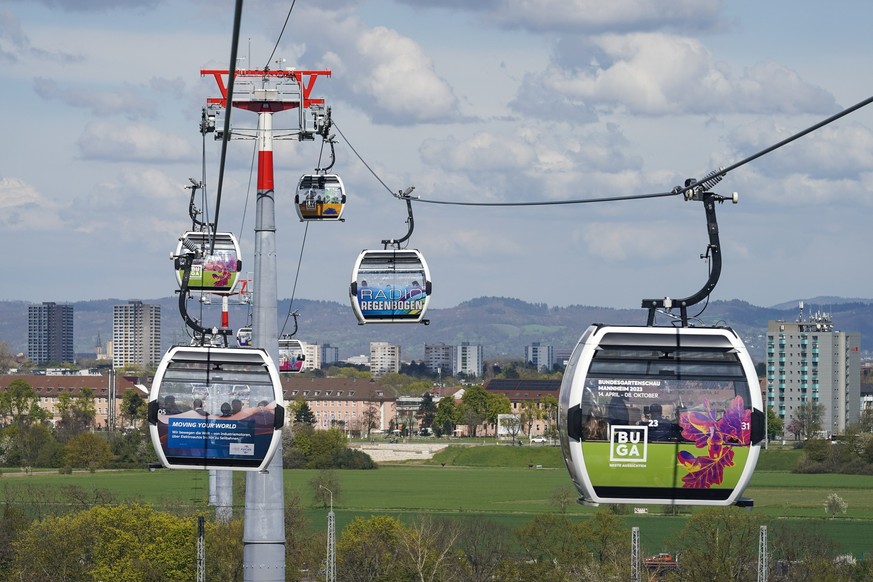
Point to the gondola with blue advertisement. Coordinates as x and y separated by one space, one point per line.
216 408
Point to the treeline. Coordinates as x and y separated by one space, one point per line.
128 541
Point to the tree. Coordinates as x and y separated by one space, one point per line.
428 546
555 548
87 450
835 504
19 404
550 415
808 418
482 546
512 425
427 410
530 413
325 487
370 549
497 404
446 417
77 413
370 417
133 407
304 414
124 542
474 409
775 426
720 544
562 496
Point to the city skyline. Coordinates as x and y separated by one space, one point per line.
493 101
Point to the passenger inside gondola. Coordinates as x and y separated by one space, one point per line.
660 427
616 411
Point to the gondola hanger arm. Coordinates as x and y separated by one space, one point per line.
404 195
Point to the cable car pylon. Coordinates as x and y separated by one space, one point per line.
272 91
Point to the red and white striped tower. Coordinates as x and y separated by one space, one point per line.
264 526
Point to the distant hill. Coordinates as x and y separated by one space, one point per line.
501 324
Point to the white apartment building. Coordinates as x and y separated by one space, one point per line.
542 357
438 358
808 361
468 359
384 358
136 334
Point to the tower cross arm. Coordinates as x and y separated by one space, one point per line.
305 79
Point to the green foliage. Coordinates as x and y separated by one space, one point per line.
835 504
447 417
123 543
304 414
133 408
19 404
322 449
370 549
775 425
326 488
720 544
87 450
474 408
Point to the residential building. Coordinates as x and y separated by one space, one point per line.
809 361
343 402
312 353
48 389
519 391
542 357
50 333
136 334
468 359
329 354
384 358
438 358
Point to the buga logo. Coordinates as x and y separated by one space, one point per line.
628 443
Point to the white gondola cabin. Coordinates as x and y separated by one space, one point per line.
390 286
291 356
216 408
660 415
320 197
216 268
244 337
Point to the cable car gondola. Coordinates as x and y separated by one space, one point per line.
216 265
660 415
390 286
244 337
320 197
291 356
663 414
216 408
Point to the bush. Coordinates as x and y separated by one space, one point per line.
293 458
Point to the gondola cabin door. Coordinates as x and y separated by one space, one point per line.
660 415
216 408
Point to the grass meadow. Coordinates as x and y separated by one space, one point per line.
508 485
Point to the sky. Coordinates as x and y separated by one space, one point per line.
486 101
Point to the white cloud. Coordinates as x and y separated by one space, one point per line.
581 16
126 101
23 208
386 74
660 74
842 150
102 140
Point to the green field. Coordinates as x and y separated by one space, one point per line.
470 482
